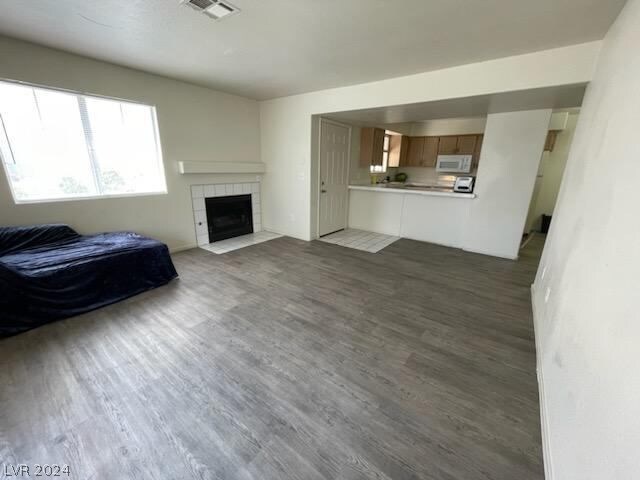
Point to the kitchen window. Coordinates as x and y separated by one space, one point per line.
58 145
385 157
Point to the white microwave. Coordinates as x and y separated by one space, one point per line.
454 163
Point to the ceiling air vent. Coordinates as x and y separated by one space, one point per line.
214 8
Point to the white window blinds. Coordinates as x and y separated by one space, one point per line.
57 145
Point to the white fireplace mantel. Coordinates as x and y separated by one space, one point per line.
221 167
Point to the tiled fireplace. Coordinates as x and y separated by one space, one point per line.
229 216
237 216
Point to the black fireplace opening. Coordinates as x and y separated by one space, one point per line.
229 217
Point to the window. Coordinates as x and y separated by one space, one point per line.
58 145
385 157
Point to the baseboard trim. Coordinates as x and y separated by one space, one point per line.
526 242
544 417
183 248
490 254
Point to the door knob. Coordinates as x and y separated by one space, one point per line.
323 191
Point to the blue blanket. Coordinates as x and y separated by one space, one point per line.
49 272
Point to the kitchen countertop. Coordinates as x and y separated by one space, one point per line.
433 191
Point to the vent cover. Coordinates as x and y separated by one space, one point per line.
215 9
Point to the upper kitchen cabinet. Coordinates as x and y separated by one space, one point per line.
457 145
448 145
423 152
430 152
405 151
414 156
398 150
467 144
371 146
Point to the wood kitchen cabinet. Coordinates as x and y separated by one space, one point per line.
371 146
422 152
448 145
398 150
430 151
414 155
457 145
466 144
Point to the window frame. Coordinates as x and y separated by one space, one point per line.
156 128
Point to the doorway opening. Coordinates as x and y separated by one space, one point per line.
549 177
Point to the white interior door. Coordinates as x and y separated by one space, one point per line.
334 176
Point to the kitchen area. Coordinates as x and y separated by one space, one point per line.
439 162
461 182
415 184
456 172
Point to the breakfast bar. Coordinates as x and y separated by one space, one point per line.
428 213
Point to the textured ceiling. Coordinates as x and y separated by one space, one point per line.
280 47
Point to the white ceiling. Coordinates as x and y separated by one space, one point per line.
280 47
557 98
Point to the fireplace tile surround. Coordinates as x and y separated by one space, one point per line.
200 192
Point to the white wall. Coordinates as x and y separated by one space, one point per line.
585 295
376 211
511 152
551 169
286 126
195 123
449 126
434 219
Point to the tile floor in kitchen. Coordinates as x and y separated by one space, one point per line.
360 240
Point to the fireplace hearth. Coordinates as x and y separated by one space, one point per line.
229 216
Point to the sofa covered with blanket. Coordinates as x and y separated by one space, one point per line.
49 272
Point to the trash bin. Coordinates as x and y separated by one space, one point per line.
546 222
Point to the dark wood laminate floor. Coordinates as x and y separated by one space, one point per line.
289 360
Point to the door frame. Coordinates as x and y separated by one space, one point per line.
322 121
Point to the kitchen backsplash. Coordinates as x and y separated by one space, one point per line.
424 175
